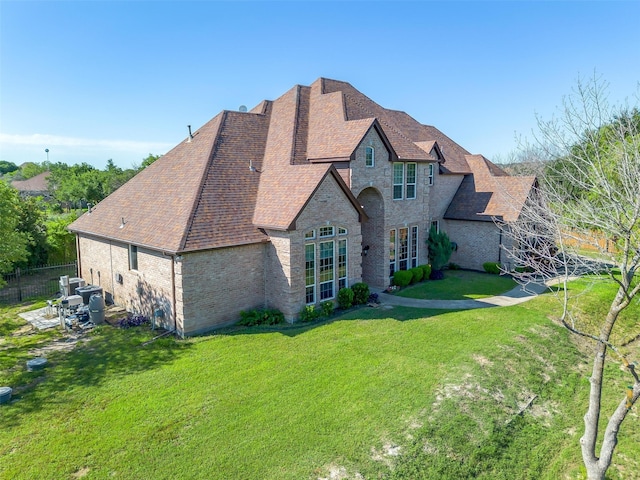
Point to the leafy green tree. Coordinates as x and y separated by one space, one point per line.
61 243
31 169
149 160
32 216
7 167
13 244
440 250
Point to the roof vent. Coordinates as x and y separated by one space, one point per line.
190 134
243 108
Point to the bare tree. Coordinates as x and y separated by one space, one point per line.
588 198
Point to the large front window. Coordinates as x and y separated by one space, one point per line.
326 263
403 248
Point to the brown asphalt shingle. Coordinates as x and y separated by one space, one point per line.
489 192
203 193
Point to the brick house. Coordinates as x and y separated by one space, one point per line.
285 204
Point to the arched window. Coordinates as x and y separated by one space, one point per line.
369 156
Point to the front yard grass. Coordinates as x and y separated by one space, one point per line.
460 285
435 393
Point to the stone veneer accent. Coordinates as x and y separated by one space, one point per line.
397 213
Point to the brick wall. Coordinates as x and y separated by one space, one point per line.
285 273
478 242
218 284
150 287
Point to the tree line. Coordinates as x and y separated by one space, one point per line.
34 229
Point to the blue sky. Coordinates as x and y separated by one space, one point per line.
93 80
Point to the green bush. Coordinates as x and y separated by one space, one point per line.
440 249
264 316
345 297
491 267
309 313
402 278
360 293
416 274
427 271
454 266
326 308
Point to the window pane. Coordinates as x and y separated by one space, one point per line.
342 259
326 261
411 191
326 232
411 173
414 247
403 248
392 252
310 264
397 192
369 157
311 294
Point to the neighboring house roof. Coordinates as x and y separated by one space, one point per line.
34 184
243 172
489 192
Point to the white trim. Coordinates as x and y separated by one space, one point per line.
373 156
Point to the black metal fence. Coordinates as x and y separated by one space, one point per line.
34 282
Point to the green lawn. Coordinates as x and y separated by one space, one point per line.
460 285
442 389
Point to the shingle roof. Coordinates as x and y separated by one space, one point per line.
203 193
489 192
193 197
33 184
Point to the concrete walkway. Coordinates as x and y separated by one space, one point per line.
515 296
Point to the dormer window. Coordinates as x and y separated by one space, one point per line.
369 155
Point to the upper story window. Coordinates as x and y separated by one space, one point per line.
370 159
342 231
310 235
326 232
430 175
404 180
411 180
398 179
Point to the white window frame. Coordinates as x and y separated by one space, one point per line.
392 251
413 184
342 262
133 257
326 232
395 182
313 276
310 235
431 174
369 160
399 254
413 246
331 271
342 231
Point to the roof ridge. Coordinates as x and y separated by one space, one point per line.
203 179
381 120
